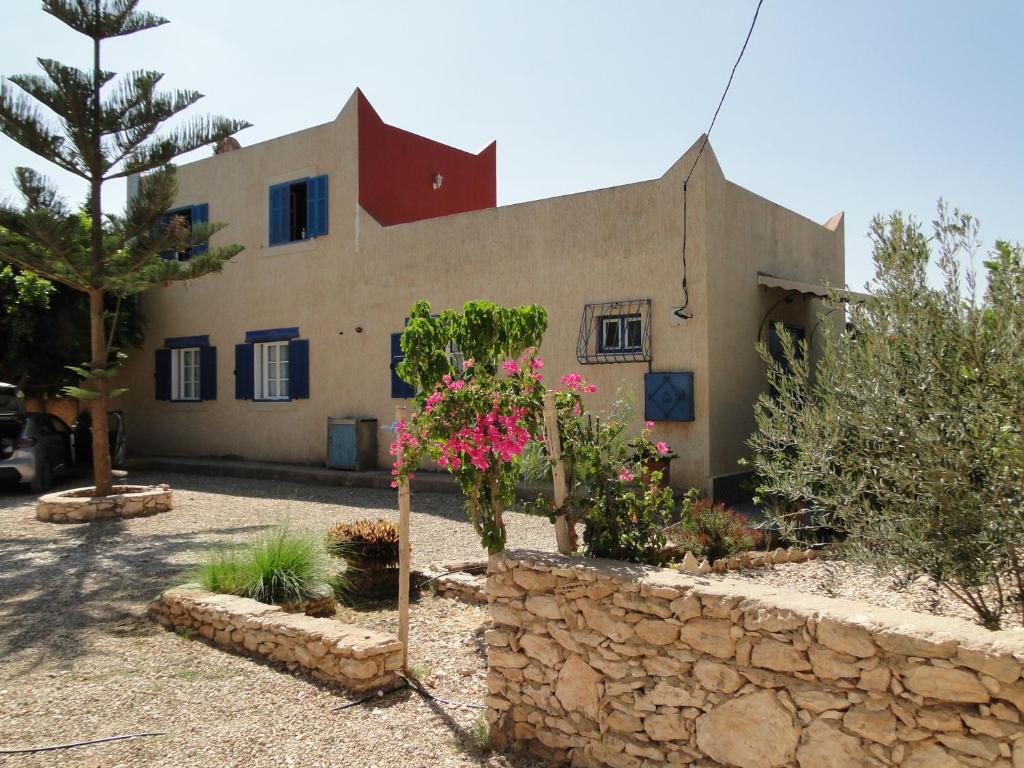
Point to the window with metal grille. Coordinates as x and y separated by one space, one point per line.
615 332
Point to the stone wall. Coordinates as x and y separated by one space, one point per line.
602 663
357 659
136 501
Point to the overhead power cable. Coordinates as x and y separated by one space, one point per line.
681 312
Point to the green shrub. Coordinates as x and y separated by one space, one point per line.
711 531
627 521
283 566
906 437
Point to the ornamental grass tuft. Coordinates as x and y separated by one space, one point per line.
223 570
286 567
283 566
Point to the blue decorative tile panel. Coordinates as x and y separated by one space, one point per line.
668 396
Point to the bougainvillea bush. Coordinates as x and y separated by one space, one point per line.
480 405
480 402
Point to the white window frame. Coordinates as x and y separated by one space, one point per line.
270 370
626 320
186 375
620 324
611 323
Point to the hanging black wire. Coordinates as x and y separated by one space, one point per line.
681 311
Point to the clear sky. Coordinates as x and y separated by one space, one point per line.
866 106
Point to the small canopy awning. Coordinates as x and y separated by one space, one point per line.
808 289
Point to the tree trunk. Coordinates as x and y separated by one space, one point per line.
102 469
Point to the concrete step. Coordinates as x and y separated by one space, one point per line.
434 482
424 482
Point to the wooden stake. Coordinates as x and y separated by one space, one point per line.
565 537
403 558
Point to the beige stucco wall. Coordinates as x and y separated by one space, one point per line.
618 243
749 234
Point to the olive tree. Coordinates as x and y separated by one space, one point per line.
906 438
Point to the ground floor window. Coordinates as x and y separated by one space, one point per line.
185 373
622 333
615 332
270 361
185 370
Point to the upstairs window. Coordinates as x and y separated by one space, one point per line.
189 214
298 210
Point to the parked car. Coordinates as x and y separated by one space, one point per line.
37 448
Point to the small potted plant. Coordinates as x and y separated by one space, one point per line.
370 550
652 456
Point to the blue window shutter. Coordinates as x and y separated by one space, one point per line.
167 254
200 215
207 373
280 206
400 389
163 374
298 369
243 372
316 206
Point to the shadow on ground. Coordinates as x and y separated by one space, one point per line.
87 578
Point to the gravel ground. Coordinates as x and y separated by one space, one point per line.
79 659
836 578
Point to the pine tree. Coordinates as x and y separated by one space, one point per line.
103 131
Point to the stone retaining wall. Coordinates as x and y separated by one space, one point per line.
61 508
467 587
355 658
602 663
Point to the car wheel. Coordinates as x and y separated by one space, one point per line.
43 480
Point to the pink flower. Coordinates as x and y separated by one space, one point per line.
590 389
572 380
649 425
663 448
456 385
538 376
625 476
467 364
510 366
537 362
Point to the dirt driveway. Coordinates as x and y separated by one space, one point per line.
79 659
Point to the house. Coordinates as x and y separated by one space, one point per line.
347 224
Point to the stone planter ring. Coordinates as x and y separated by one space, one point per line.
76 506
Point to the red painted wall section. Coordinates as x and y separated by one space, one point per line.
397 171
